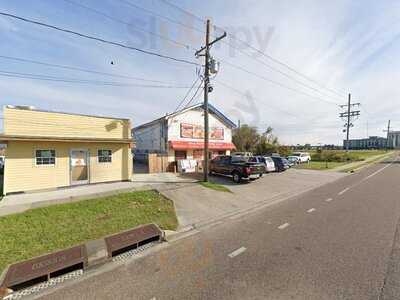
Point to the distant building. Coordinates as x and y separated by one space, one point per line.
372 142
394 139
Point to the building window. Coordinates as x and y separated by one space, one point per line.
45 157
198 154
104 156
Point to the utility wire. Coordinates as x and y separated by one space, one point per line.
258 50
341 94
282 73
194 95
80 81
246 95
187 94
278 83
97 39
171 20
127 23
79 69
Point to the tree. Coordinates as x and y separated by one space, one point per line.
245 138
268 143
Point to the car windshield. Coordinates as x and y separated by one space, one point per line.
238 159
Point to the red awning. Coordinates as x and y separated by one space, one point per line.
183 145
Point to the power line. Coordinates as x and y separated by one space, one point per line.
97 39
184 11
127 23
187 94
79 69
277 83
171 20
79 81
341 94
194 95
281 72
246 95
257 50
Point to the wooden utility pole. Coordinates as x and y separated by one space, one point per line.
206 79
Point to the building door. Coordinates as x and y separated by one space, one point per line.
179 154
79 163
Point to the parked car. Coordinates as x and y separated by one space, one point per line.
269 164
244 154
304 157
267 161
281 164
293 159
236 166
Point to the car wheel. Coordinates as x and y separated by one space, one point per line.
236 177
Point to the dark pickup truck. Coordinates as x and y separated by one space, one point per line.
236 167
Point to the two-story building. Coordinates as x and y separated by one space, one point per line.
48 150
180 135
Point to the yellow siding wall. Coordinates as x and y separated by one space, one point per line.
22 174
39 123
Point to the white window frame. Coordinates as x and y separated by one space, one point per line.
44 165
104 162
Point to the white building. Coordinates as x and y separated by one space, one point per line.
180 135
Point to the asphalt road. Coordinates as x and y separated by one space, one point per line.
335 242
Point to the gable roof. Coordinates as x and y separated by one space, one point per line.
224 119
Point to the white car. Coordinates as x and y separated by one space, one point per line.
303 157
269 164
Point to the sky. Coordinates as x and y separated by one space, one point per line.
311 55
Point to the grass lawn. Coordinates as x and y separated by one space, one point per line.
215 186
42 230
319 165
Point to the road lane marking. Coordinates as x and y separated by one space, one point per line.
283 226
376 173
237 252
344 191
329 200
311 210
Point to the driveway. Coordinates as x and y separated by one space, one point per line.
196 205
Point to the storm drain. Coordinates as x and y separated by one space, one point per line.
128 254
44 285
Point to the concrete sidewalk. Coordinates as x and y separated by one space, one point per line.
196 205
21 202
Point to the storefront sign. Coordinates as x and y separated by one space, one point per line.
197 132
184 145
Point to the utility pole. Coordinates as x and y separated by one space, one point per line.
207 89
349 116
387 135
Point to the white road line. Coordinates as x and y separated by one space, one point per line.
377 172
311 210
237 252
329 200
344 191
283 226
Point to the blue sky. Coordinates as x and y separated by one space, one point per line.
349 46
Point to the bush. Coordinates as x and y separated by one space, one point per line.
335 156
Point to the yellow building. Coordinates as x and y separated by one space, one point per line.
48 150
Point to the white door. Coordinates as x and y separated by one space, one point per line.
79 166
